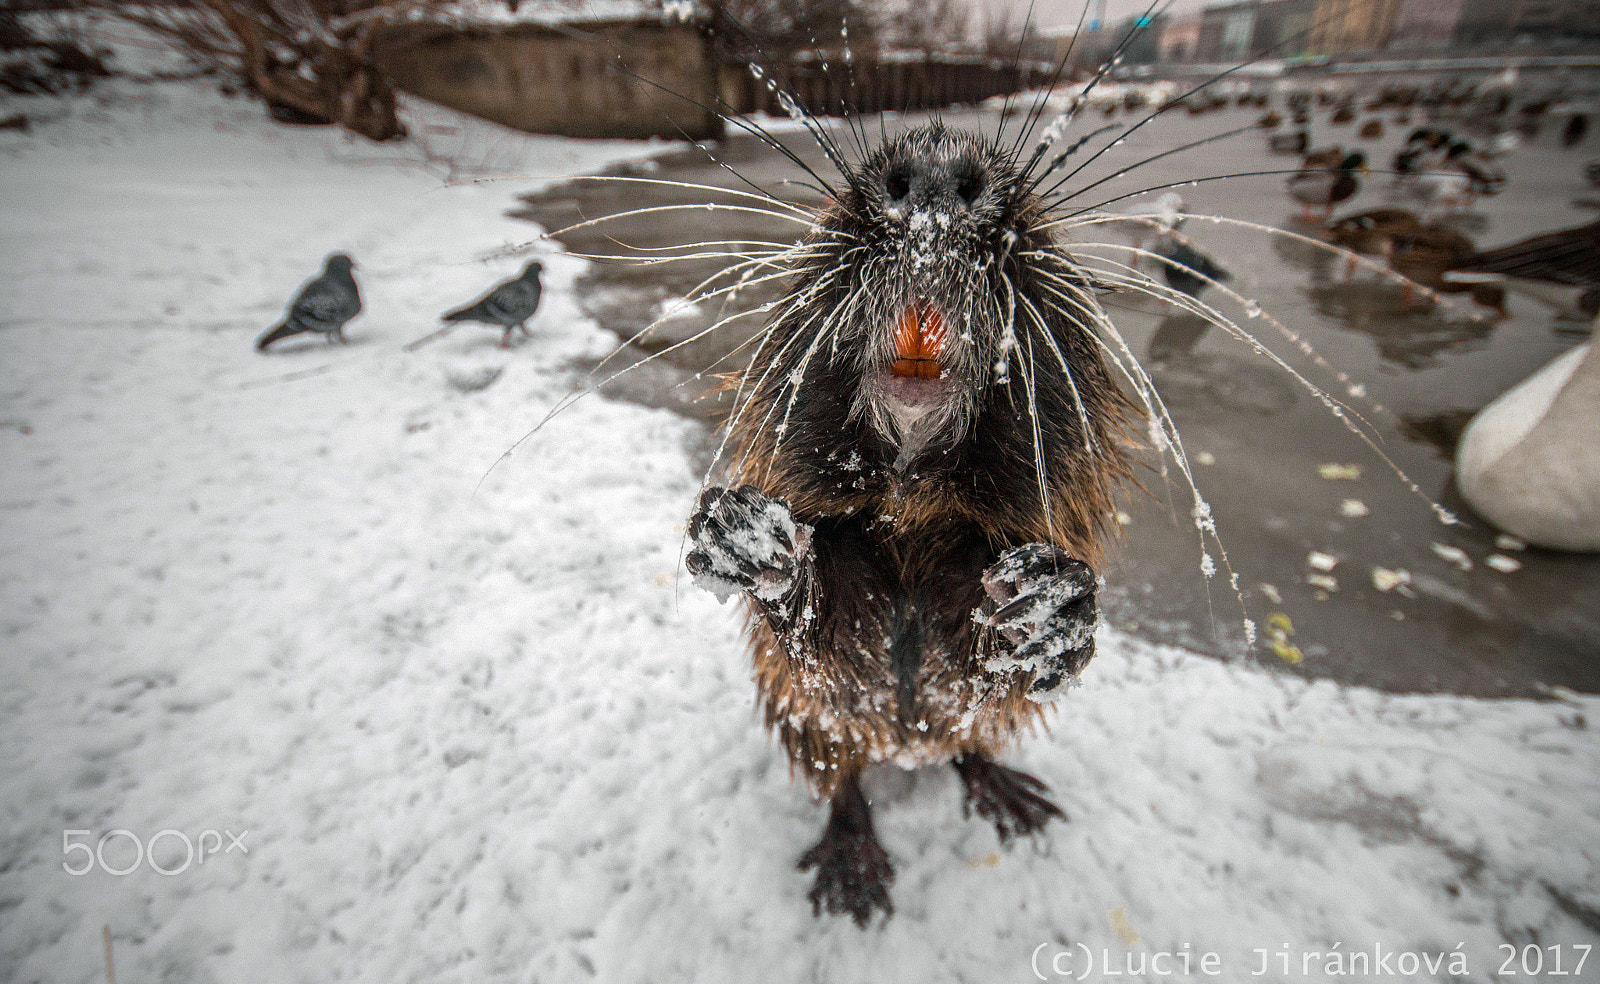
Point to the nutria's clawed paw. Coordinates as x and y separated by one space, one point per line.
744 540
853 875
1041 602
1007 798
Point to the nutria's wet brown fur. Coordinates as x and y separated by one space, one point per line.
874 652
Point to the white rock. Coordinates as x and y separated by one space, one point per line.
1528 463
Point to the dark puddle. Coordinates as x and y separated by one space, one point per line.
1258 439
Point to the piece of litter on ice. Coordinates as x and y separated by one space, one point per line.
1322 561
1123 519
1505 541
1384 579
1353 508
1124 929
1338 473
1502 563
1206 458
1326 582
1271 591
1278 622
1454 555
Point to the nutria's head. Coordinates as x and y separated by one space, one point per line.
934 326
929 280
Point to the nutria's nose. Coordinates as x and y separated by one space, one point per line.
928 181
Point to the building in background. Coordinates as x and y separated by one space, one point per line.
1488 22
1283 28
1347 26
1426 25
1248 29
1180 39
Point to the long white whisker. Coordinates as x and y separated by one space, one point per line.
715 189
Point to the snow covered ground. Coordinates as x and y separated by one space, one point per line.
488 732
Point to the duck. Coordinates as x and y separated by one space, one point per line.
1576 129
1568 257
1187 270
1371 130
1425 255
1501 145
1371 233
1289 143
1343 116
1421 252
1527 461
1422 146
1269 120
1162 214
1457 181
1320 184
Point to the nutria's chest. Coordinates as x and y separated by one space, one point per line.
886 616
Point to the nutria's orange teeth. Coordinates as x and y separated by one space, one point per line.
919 335
918 368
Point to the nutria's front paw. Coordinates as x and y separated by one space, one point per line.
1041 602
744 540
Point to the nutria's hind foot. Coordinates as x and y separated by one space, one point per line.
853 870
1008 798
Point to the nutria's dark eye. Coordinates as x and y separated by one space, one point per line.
897 185
969 187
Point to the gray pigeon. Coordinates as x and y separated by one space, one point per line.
509 305
323 305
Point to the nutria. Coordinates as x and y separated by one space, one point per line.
923 454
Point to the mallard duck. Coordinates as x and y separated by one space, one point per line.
1371 130
1527 461
1188 270
1343 116
1425 254
1269 120
1423 146
1372 233
1457 180
1418 251
1576 129
1289 143
1148 217
1565 256
1324 186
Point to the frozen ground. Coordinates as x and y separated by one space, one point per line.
487 733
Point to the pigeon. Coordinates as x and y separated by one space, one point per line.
508 305
323 304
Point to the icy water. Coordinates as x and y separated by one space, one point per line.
1258 440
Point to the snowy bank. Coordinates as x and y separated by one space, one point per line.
487 732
